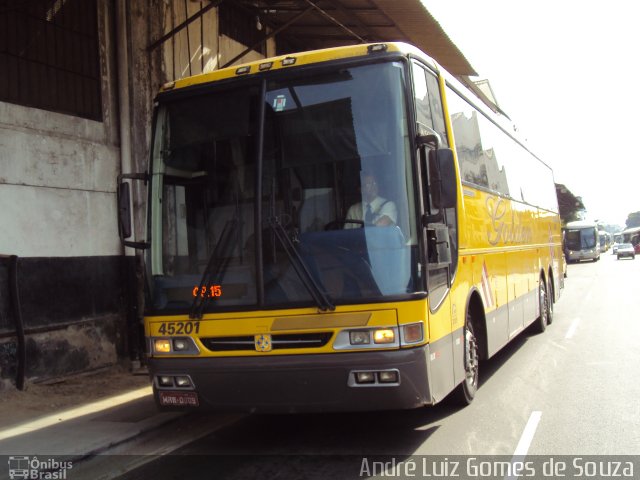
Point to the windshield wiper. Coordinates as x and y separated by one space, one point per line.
216 265
319 296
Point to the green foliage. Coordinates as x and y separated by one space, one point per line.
633 220
569 205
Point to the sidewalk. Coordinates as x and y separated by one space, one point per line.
81 418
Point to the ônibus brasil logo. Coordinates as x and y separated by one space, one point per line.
36 469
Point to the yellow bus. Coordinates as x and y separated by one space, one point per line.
338 230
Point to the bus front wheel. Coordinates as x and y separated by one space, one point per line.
464 393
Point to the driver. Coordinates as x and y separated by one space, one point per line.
373 210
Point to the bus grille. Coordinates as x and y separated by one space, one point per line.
278 342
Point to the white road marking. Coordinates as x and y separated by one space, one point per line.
527 435
525 441
572 328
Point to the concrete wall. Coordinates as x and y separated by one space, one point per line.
57 184
58 193
58 215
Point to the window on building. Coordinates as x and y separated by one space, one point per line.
49 56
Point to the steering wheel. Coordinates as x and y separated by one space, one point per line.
341 223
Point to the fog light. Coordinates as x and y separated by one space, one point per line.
183 381
162 345
365 377
412 333
390 376
359 338
384 336
165 381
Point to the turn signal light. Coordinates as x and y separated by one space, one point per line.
412 333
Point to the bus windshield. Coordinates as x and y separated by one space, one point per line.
580 239
289 191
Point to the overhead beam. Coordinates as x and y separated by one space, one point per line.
334 20
188 21
350 14
267 37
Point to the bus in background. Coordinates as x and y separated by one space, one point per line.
581 241
605 240
337 230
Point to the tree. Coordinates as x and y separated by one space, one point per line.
633 220
569 205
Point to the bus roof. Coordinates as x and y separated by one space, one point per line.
298 59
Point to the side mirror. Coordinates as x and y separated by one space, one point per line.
124 209
449 192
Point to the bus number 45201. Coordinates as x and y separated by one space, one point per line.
179 328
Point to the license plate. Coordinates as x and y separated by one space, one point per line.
179 399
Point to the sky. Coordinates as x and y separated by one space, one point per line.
566 72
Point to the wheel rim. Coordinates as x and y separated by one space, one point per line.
470 359
543 305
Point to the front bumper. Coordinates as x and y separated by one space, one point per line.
301 383
582 255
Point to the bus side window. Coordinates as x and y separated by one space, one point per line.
429 110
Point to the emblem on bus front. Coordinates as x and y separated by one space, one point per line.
262 343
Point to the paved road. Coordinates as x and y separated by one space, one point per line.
573 390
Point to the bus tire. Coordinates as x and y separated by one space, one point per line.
550 302
540 325
465 392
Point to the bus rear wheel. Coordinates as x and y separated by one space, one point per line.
550 298
543 299
465 392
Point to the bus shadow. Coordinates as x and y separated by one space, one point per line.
489 367
357 433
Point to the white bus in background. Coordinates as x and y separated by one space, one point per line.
581 241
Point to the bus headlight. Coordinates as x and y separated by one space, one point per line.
384 335
175 345
359 337
180 344
162 345
367 338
